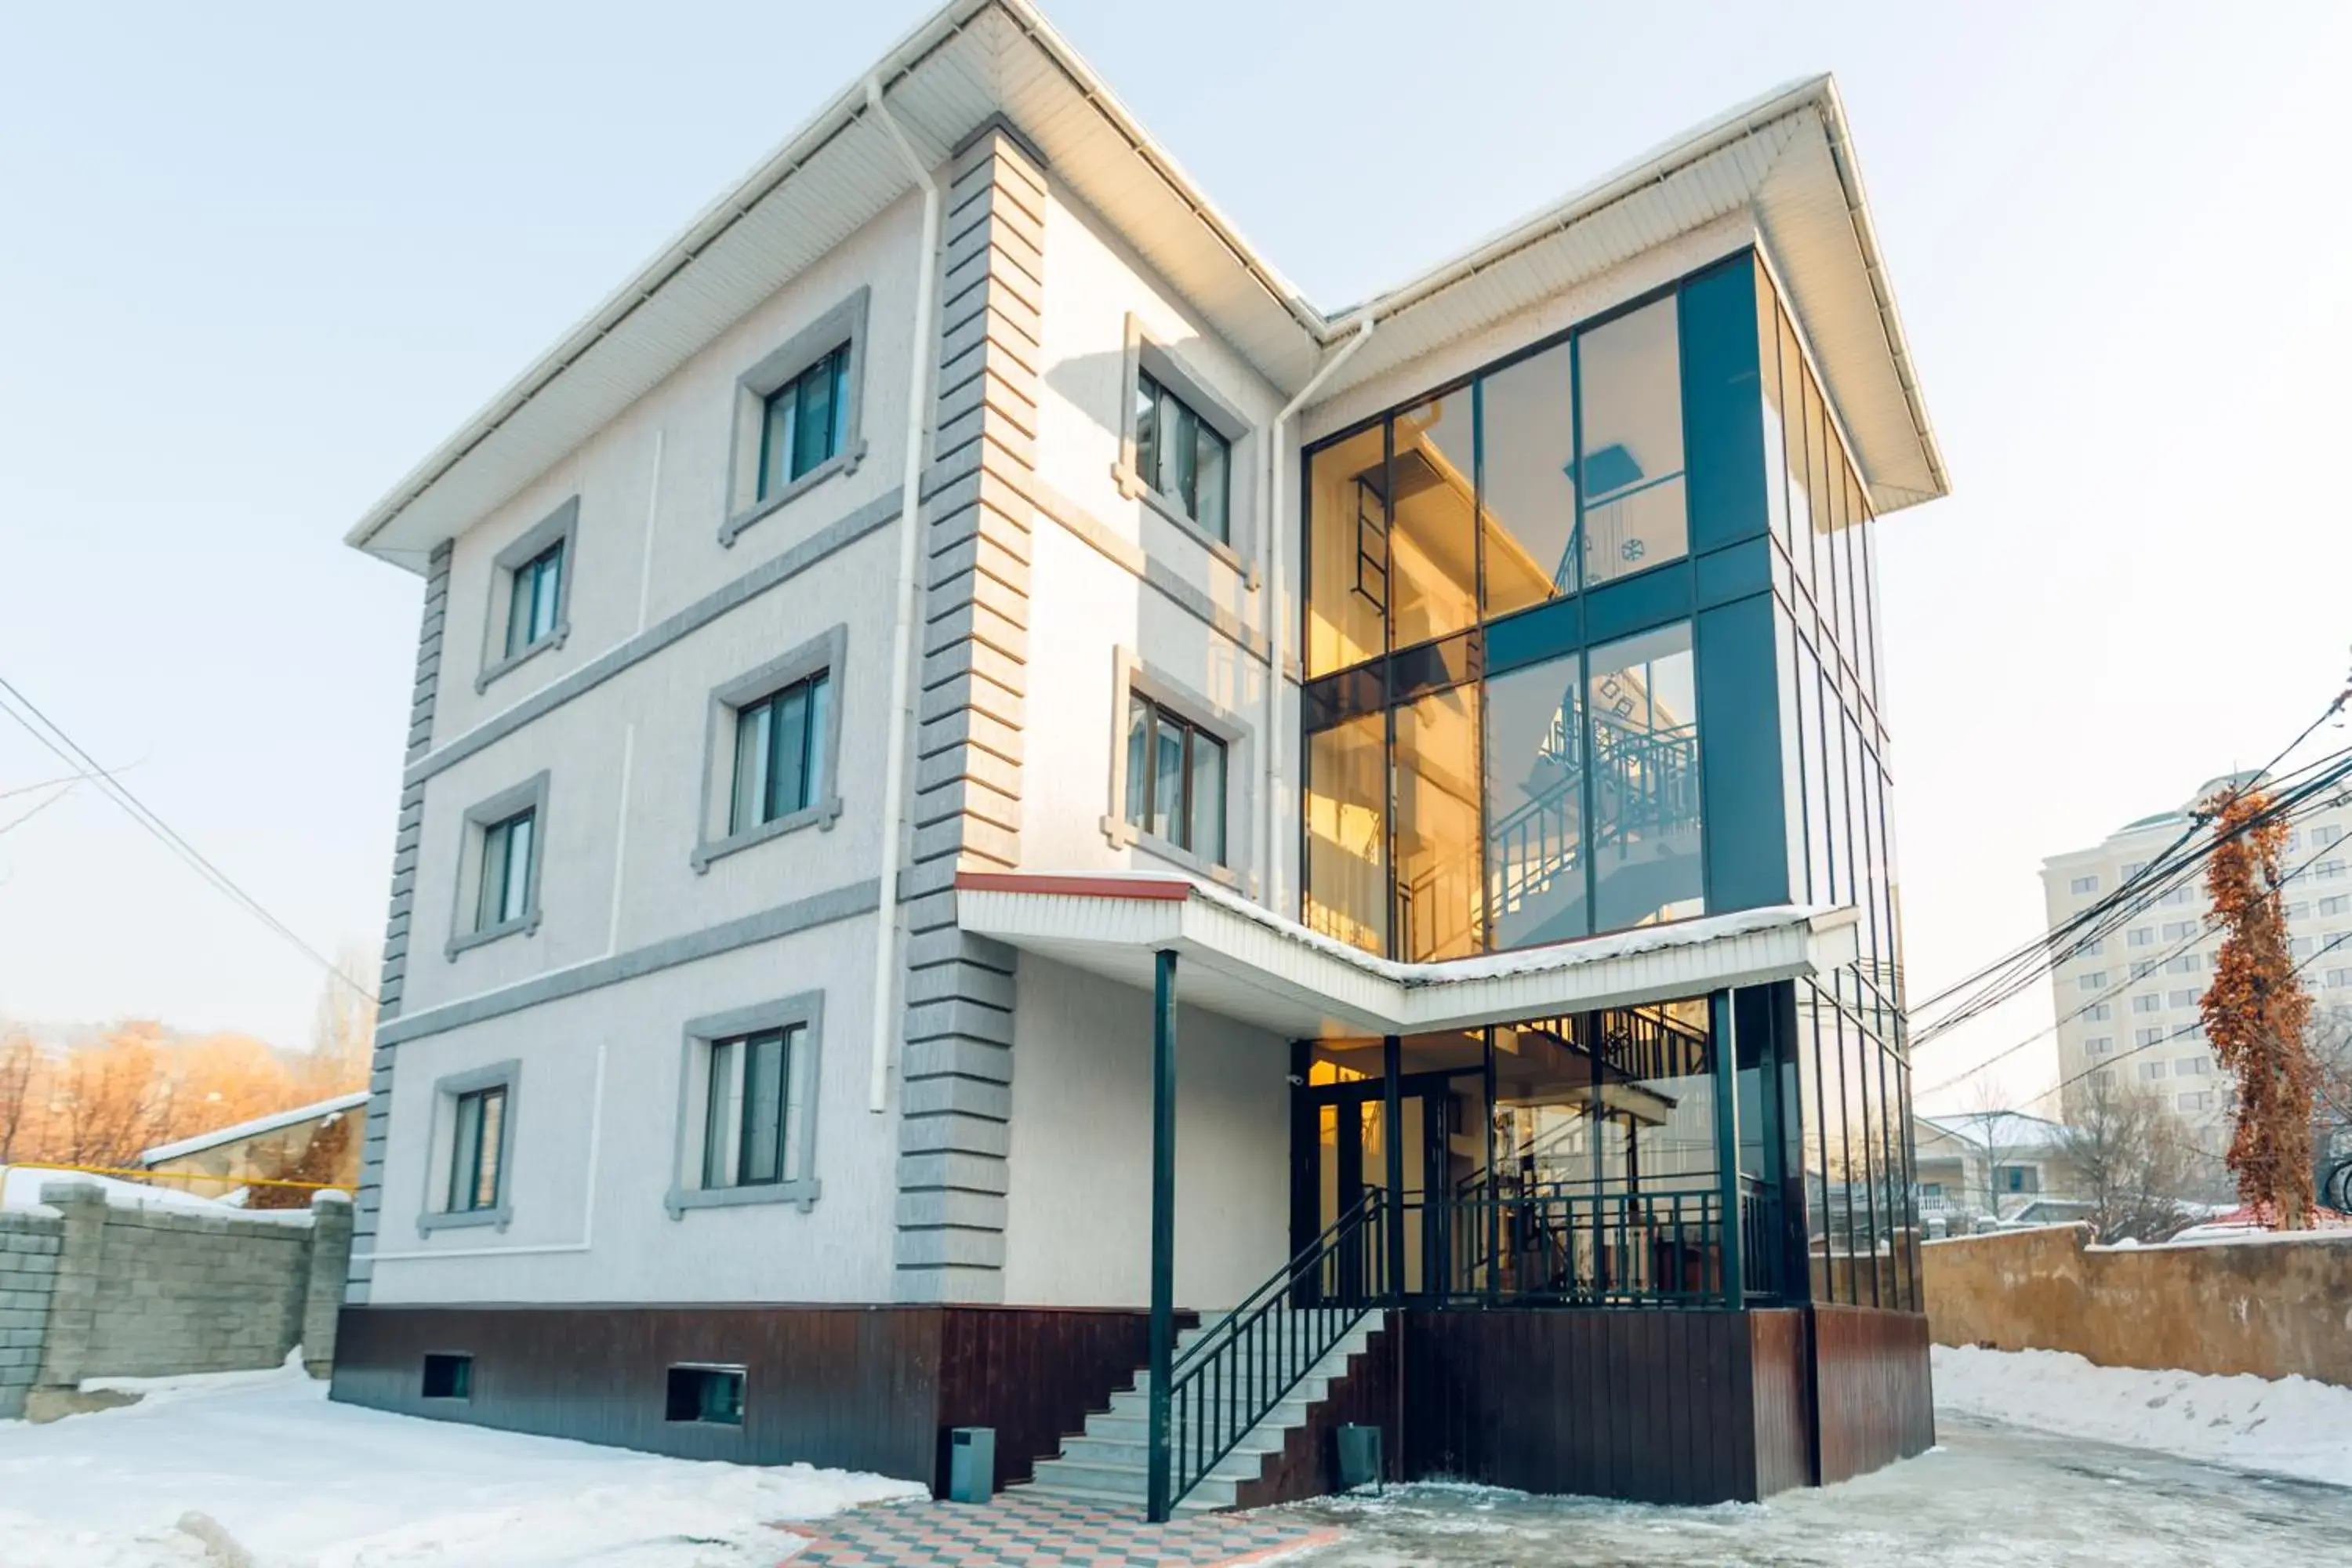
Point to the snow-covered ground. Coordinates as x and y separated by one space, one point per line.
2291 1427
295 1480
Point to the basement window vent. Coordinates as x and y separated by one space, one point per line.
710 1395
448 1376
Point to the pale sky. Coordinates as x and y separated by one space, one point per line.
258 260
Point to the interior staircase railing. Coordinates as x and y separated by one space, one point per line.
1246 1363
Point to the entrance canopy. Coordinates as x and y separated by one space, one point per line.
1249 963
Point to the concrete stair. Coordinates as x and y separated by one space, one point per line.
1107 1465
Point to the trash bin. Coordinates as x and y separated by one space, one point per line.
972 1464
1356 1457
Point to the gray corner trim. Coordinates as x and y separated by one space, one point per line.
854 525
845 322
997 124
506 1074
562 525
840 903
805 1012
1144 353
1130 675
532 794
828 652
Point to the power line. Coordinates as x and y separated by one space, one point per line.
71 752
19 820
67 778
2155 971
1999 971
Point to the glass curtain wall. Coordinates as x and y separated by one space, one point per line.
1852 1070
1448 813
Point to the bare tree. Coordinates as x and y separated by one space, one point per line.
2135 1162
1994 1121
18 1059
342 1029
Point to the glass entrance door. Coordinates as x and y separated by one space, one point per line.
1352 1138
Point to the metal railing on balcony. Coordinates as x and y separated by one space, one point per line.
1572 1246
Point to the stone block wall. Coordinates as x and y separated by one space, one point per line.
29 1272
98 1290
2270 1306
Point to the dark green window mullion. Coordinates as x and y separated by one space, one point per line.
1395 942
1707 902
1587 801
1485 917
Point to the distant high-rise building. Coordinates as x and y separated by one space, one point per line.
2127 1006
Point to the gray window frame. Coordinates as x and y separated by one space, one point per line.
845 322
825 653
532 794
1130 679
561 526
805 1012
1146 355
506 1075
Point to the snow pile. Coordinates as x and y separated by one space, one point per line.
2290 1427
296 1481
20 1188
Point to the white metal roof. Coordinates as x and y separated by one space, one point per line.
255 1128
1786 157
1247 962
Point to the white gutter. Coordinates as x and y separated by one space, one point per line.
1276 621
902 650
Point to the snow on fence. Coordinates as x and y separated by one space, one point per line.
90 1288
2274 1306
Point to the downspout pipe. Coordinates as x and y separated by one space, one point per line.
1277 621
902 642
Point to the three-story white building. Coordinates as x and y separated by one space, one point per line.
959 602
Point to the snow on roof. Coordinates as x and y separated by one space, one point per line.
20 1188
316 1111
2013 1131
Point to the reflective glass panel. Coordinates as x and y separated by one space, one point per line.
1535 805
1526 432
1644 762
1347 892
1434 549
1347 550
1629 378
1437 861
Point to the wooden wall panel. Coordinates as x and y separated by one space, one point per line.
1780 1379
1365 1397
867 1388
1034 1374
1653 1406
1869 1388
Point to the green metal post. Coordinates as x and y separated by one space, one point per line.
1392 1115
1163 1229
1725 1032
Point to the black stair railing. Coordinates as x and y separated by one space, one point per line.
1247 1361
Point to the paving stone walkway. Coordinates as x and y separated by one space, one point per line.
1018 1530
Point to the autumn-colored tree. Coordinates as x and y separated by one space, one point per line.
115 1099
321 1162
18 1113
2255 1011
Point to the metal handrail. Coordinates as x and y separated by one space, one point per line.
1248 1361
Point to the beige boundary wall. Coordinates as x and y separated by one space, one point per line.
2271 1307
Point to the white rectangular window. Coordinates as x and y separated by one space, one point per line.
2140 936
2192 1067
2143 1038
535 600
779 754
2150 1072
802 422
2325 835
507 846
2334 904
2182 999
2147 1004
2187 963
2133 868
1182 457
478 1126
2185 893
2098 1013
1175 779
2095 981
2082 885
2181 931
2198 1099
758 1090
2339 979
2099 1045
2328 870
